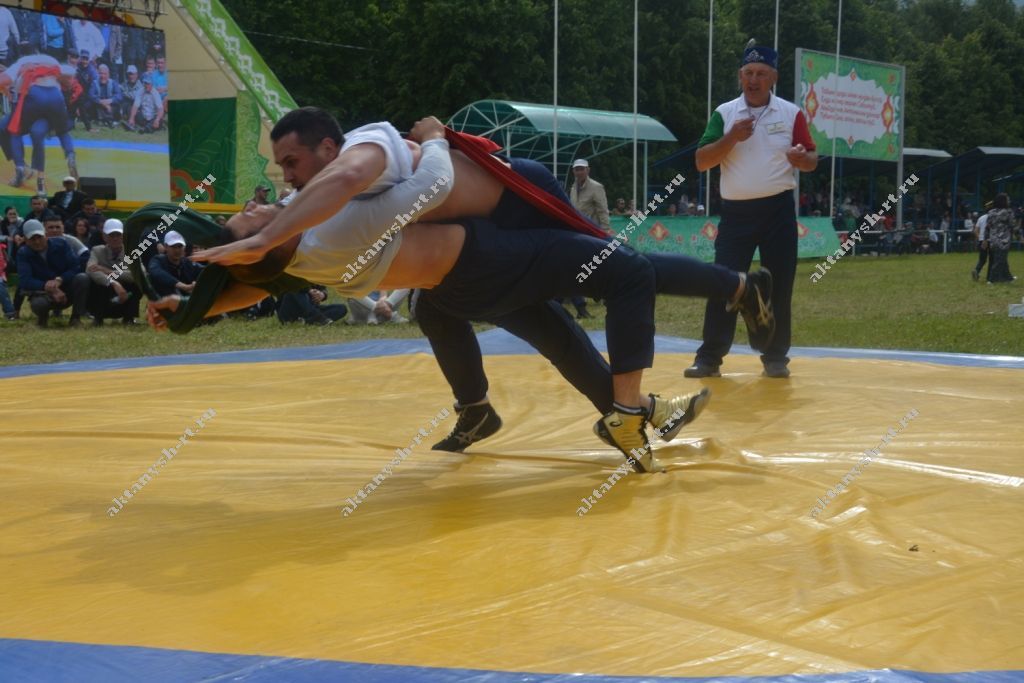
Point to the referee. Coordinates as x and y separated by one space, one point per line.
757 139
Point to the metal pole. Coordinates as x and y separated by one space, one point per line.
832 181
899 160
776 45
554 140
707 174
645 170
776 48
636 33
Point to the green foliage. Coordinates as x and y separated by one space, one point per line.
964 77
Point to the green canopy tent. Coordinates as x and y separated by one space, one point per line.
530 130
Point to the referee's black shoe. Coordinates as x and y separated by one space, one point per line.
475 423
756 308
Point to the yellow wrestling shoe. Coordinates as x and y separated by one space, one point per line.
626 433
670 415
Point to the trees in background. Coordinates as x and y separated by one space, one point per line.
398 60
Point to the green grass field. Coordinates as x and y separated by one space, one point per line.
915 302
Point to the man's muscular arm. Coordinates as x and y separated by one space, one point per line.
352 172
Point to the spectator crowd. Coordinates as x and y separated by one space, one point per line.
120 72
64 253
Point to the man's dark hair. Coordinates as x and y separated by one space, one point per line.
311 125
1002 201
88 201
49 215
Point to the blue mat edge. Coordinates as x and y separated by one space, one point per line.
496 342
36 660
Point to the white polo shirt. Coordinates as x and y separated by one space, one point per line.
757 167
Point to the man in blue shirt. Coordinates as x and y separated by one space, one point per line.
51 275
105 98
172 272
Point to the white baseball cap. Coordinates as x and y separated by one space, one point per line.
580 163
173 237
69 179
113 226
32 227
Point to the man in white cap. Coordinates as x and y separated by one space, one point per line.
130 89
51 275
110 295
588 196
68 201
172 272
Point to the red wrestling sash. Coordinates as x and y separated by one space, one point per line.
479 150
29 76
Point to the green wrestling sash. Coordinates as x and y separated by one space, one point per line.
146 227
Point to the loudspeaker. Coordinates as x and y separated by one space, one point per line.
98 188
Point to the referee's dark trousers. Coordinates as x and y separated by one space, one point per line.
768 223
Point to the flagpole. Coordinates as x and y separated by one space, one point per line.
776 45
636 33
832 187
707 174
554 141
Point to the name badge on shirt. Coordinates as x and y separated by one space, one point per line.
777 127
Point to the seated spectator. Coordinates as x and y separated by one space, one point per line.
104 97
620 207
673 210
367 311
259 197
172 272
148 109
68 201
131 89
111 298
309 308
91 214
50 276
5 296
264 309
82 229
15 238
38 205
10 234
55 230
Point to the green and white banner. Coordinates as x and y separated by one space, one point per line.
695 236
860 107
221 30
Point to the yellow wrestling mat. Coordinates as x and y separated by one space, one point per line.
235 557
